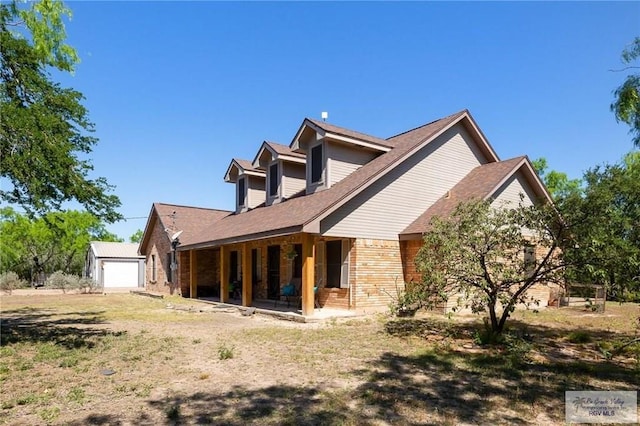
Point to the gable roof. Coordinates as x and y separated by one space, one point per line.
423 132
243 166
480 184
115 250
336 130
278 152
303 214
189 220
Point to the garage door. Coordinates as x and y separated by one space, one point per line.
119 274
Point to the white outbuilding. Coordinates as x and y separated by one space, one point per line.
114 265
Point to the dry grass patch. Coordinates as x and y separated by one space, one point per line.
124 359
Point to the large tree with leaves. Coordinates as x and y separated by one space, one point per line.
605 226
626 105
488 258
58 240
45 132
558 183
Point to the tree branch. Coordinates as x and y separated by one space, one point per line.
630 67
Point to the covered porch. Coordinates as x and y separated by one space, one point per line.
253 273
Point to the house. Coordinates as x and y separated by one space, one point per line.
114 265
161 267
338 211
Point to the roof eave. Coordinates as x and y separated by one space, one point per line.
357 142
146 235
410 236
242 238
531 176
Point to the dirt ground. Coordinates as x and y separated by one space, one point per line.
121 359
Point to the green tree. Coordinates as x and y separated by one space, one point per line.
558 183
605 224
59 241
45 130
137 236
626 105
488 258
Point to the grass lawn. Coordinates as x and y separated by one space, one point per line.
122 359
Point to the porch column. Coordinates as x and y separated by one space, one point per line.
308 273
224 280
247 279
193 275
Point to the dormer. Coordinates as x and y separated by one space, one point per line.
250 184
334 152
284 169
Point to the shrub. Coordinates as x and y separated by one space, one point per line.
406 300
579 337
486 336
63 281
88 285
10 281
225 352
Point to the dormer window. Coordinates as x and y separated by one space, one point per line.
249 182
273 180
242 191
316 164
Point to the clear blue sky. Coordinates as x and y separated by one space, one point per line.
177 89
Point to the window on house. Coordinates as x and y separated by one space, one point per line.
316 163
242 191
337 260
154 275
273 180
529 258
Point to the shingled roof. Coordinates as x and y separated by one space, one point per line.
480 184
330 128
284 150
245 164
300 213
189 220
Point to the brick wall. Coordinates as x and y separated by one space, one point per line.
159 247
409 250
378 273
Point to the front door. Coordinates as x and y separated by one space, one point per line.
273 272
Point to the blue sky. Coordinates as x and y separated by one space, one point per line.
177 89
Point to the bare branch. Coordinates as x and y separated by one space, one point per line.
630 67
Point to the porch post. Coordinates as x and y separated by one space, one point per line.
193 275
224 280
308 273
247 279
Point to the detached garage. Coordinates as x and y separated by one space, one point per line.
115 265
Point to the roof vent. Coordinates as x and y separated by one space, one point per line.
324 115
448 195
